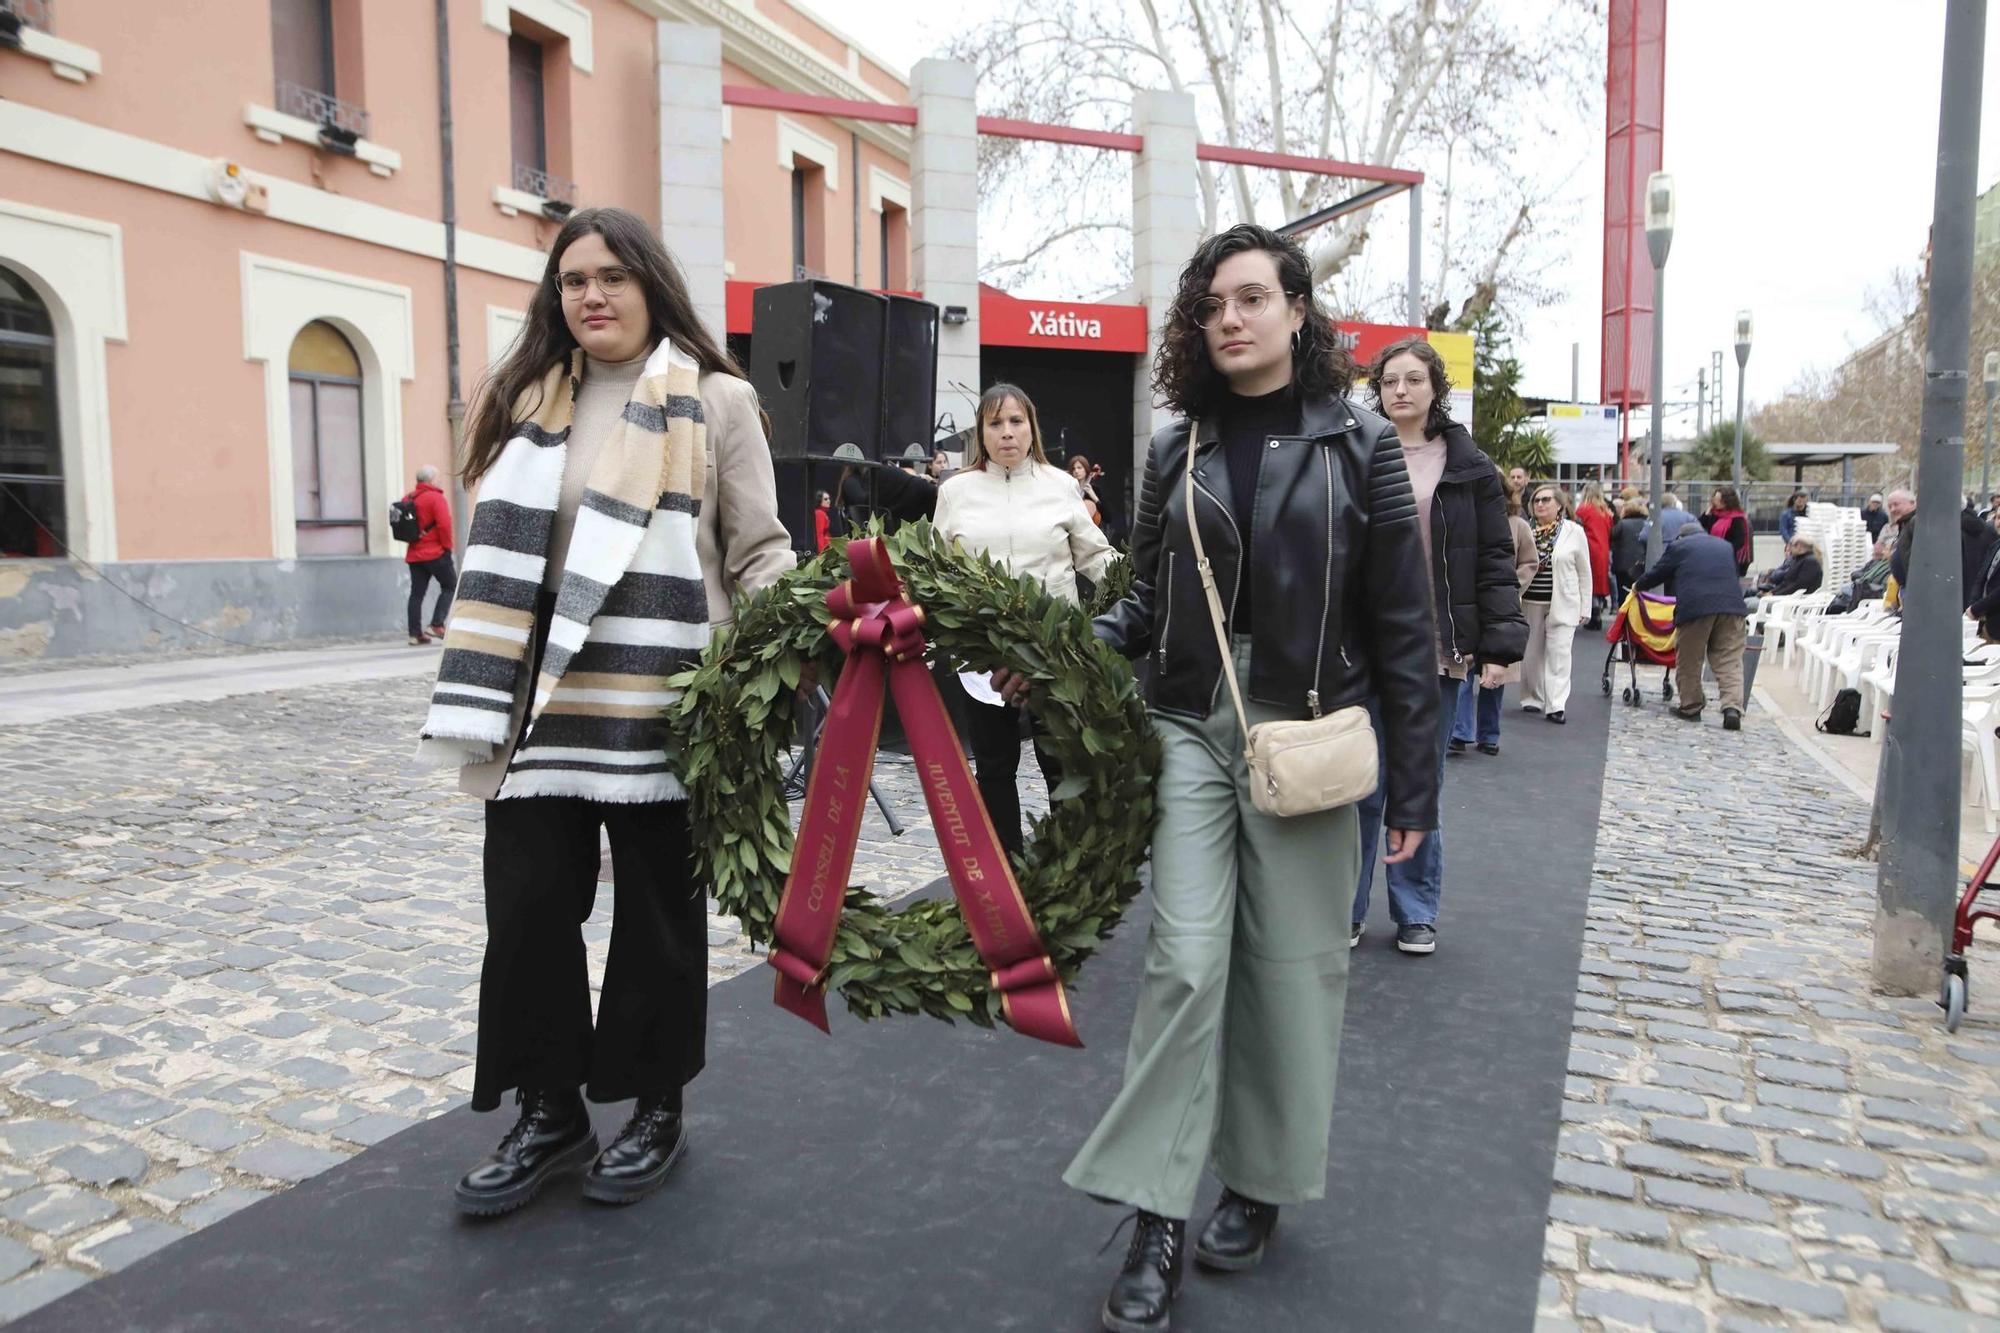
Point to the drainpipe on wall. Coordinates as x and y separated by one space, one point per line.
455 408
854 156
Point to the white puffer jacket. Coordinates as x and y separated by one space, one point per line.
1030 518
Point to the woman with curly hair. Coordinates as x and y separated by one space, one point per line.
1311 534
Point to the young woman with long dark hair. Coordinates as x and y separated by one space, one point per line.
1469 550
1306 513
625 490
1010 503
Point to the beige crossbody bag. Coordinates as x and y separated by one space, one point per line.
1296 768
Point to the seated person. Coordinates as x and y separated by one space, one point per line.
1869 582
1800 571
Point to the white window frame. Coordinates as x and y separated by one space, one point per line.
795 141
276 127
376 318
77 266
566 18
884 188
67 60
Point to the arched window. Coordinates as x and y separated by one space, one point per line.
328 486
32 512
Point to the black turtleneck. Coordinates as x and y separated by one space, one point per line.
1245 426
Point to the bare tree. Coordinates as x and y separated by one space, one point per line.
1481 88
1875 395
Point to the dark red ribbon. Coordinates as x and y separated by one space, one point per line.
881 630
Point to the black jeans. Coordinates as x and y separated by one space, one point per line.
421 574
995 734
534 989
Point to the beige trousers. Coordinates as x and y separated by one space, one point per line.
1718 641
1545 669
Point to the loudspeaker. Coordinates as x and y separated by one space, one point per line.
816 362
909 376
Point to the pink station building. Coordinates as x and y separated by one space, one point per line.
228 232
223 336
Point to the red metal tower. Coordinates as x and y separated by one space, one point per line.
1635 95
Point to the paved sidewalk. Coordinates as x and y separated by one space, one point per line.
239 941
28 697
1753 1139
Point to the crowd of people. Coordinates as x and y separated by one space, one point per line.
1313 555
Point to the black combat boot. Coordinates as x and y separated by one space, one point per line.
552 1135
1142 1297
638 1160
1236 1233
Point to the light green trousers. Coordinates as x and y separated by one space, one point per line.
1237 1033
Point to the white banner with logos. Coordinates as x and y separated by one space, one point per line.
1584 432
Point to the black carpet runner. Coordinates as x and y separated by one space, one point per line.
904 1175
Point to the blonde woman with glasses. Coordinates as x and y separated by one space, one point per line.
1556 601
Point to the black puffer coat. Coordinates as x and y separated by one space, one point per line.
1472 560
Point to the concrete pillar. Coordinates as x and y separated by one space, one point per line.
944 221
1166 227
691 221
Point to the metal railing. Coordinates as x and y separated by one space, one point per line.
1761 499
322 108
37 14
535 181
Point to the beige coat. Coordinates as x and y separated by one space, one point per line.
1030 518
742 544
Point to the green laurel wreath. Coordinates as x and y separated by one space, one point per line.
733 726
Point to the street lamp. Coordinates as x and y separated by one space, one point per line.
1659 237
1742 360
1992 378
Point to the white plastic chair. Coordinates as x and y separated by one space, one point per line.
1878 690
1979 714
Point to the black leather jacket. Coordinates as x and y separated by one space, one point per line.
1342 586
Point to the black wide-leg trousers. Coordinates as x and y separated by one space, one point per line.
995 733
535 1025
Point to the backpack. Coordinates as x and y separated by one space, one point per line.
1843 715
404 525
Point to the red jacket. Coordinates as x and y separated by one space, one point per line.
434 521
1596 526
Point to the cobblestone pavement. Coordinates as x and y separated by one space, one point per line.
239 942
1752 1139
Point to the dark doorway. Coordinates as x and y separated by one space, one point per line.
32 503
1084 401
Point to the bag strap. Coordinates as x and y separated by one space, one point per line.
1207 573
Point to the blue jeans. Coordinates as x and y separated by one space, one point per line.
1415 885
1478 714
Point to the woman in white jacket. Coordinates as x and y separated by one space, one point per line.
1556 600
1009 503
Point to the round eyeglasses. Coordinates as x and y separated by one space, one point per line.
610 281
1250 303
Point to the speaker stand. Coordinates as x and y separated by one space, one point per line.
800 772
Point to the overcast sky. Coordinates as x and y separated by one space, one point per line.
1802 137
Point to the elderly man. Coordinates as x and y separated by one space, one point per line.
1902 507
1709 614
1875 516
429 556
1672 518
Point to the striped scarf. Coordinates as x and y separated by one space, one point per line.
630 610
